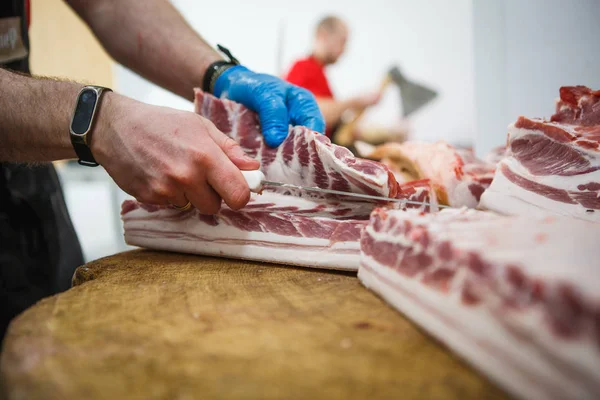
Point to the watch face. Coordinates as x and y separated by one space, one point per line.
83 112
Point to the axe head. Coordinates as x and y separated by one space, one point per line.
413 95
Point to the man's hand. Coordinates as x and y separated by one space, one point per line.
364 101
333 110
165 156
158 155
277 102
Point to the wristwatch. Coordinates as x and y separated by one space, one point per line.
82 123
217 68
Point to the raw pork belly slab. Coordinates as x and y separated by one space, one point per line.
287 228
272 227
305 158
518 298
552 167
458 177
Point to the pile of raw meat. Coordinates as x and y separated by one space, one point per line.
552 166
513 287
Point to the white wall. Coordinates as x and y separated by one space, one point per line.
524 51
431 41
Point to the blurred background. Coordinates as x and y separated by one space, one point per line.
488 61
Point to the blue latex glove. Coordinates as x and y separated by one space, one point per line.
277 102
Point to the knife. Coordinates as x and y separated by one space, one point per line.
256 182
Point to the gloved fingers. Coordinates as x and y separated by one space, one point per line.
278 103
274 118
304 110
223 83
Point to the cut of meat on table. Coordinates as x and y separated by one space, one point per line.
552 166
516 297
272 227
458 177
305 158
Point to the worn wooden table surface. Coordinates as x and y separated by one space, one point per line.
143 325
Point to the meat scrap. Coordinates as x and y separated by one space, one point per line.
552 166
516 297
458 177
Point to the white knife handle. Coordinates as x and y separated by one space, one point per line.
254 180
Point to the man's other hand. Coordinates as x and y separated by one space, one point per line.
277 102
367 100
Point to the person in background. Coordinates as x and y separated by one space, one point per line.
156 154
331 36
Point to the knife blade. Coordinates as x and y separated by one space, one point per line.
349 194
256 182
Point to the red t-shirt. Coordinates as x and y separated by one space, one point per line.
310 74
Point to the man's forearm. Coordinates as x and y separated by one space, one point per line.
34 118
151 38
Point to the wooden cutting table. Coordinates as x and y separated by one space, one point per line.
143 325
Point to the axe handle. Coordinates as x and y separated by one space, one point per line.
345 136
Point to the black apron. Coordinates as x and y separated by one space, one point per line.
39 249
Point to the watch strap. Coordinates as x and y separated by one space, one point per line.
84 153
81 143
217 68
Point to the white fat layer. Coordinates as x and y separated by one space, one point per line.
282 200
505 197
479 336
553 249
194 228
461 196
306 257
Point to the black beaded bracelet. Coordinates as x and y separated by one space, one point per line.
217 68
